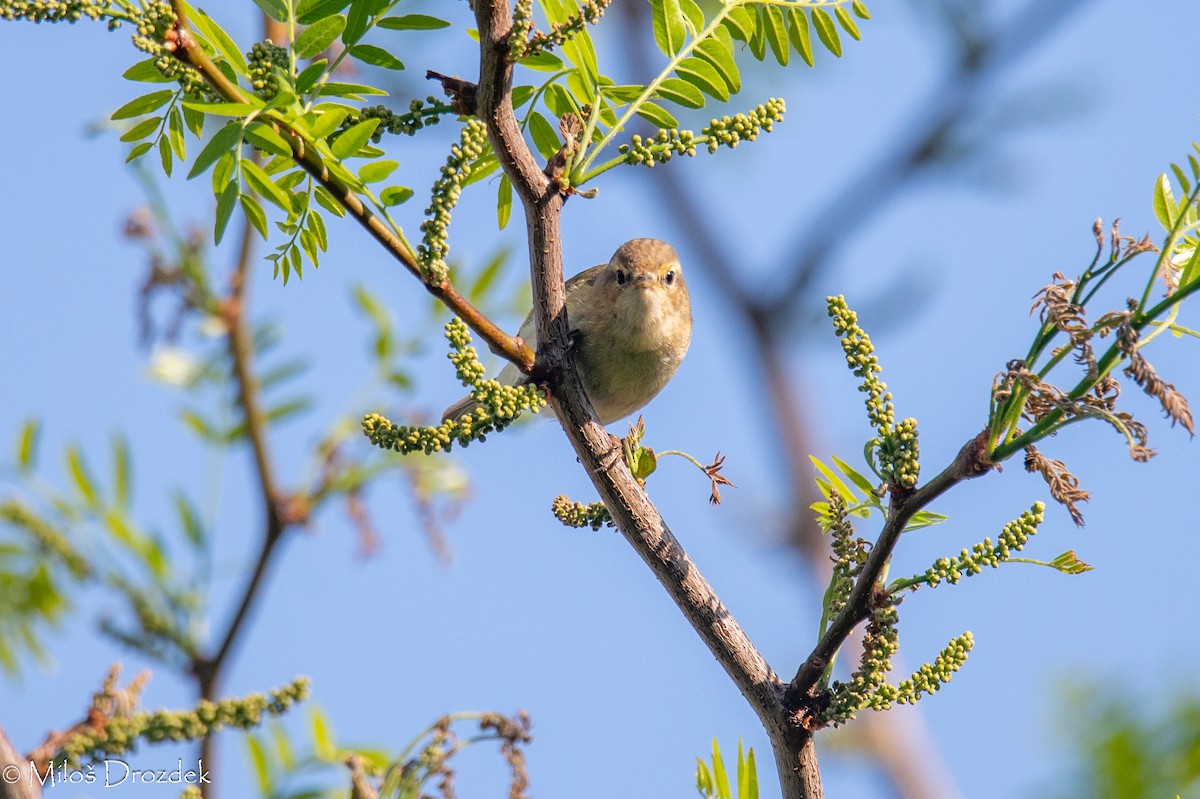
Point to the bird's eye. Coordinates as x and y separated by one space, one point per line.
620 277
670 277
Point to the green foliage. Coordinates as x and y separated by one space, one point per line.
1126 747
712 782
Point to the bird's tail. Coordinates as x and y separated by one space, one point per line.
459 409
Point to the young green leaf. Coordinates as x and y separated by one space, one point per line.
376 171
310 75
142 129
309 11
545 139
275 9
395 195
189 520
799 34
1165 207
657 115
139 150
741 22
326 201
318 36
680 92
255 214
847 22
80 477
693 15
265 138
776 32
413 22
860 10
504 201
143 105
175 133
164 155
226 202
669 30
266 188
146 72
720 55
703 76
210 30
827 31
121 479
720 778
376 56
352 140
27 445
225 140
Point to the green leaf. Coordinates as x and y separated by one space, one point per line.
225 140
776 32
139 150
860 10
275 9
225 109
258 758
413 22
741 23
377 171
265 138
189 520
220 39
681 92
1165 207
835 481
326 201
175 133
323 743
693 15
720 778
657 115
799 34
395 195
752 777
704 76
142 129
376 56
1191 270
225 205
827 31
543 62
644 463
255 214
758 42
924 518
121 479
357 21
859 480
504 198
704 782
80 477
311 74
194 121
309 11
847 22
352 91
743 779
27 445
146 72
1069 563
318 36
164 155
545 138
669 31
352 140
143 105
266 188
316 223
720 56
328 118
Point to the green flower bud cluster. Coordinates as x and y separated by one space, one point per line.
434 247
263 58
122 734
576 514
500 406
860 356
932 676
54 10
849 554
899 454
420 113
727 131
1013 538
867 686
191 792
589 13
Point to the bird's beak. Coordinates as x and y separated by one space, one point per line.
644 280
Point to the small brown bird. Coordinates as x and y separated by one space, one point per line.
632 323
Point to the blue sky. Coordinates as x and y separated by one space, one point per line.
571 626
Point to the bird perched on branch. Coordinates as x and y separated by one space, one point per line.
631 320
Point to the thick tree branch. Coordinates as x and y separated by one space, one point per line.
16 778
599 452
